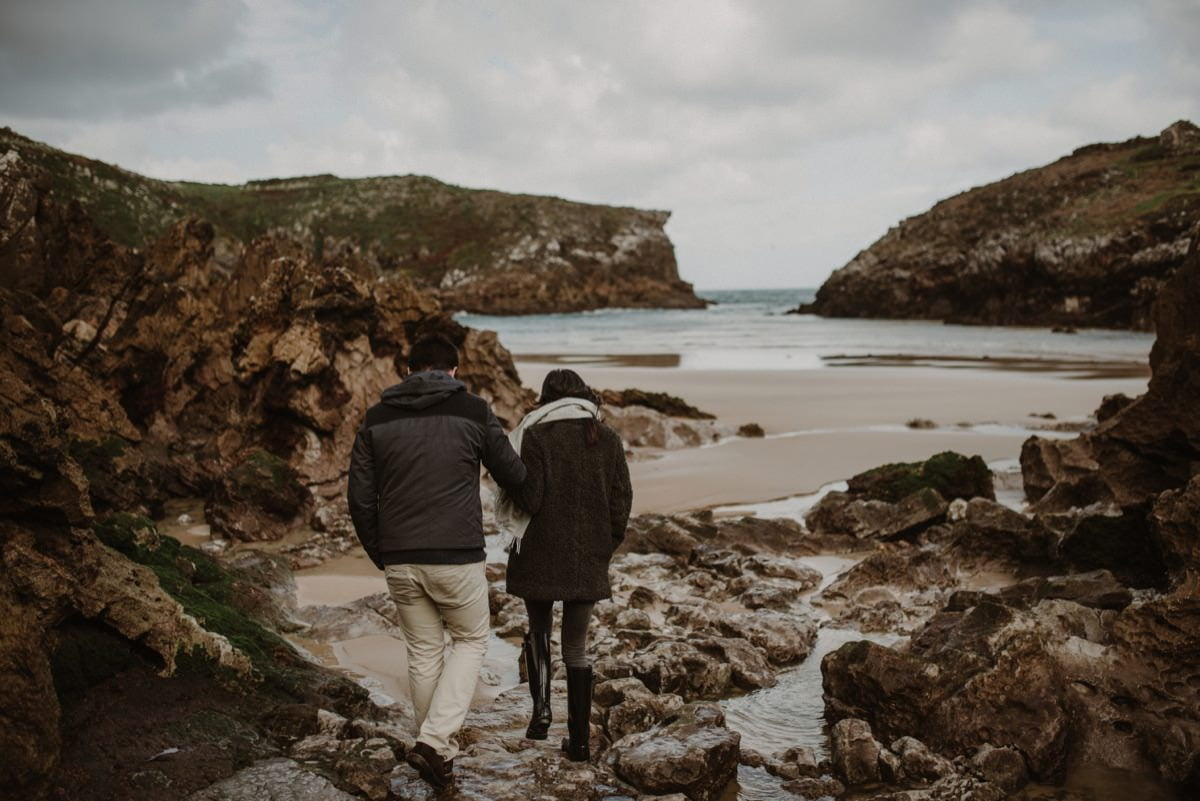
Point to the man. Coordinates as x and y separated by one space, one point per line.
414 499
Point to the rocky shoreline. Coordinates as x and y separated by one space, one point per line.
1019 646
1086 241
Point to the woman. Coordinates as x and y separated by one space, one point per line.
576 502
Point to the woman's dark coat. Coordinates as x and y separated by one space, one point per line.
579 496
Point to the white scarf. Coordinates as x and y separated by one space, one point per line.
510 518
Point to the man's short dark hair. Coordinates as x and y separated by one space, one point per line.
432 352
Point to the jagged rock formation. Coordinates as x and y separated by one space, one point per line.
478 250
1151 444
1085 241
128 377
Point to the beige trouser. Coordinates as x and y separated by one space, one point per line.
432 600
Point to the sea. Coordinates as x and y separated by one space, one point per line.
750 329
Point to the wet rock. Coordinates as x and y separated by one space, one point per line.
683 669
630 707
1048 462
1003 767
751 670
815 787
273 778
368 616
661 402
1124 545
918 762
951 474
694 754
1098 589
259 499
873 518
659 534
751 431
640 426
785 638
988 529
1112 405
768 596
633 619
854 751
1175 521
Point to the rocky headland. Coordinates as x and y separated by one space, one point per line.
1086 241
474 250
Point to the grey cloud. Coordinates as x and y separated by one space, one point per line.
122 57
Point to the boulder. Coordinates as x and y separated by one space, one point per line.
1123 544
1003 767
854 751
951 474
641 426
785 638
693 754
1175 522
682 668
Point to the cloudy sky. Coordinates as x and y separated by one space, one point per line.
784 136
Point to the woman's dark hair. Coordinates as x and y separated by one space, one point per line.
563 383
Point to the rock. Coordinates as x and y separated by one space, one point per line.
785 638
1111 405
259 499
273 778
1003 767
683 669
991 530
751 670
631 708
1097 589
855 752
1175 521
751 431
951 474
643 427
694 754
1152 444
1033 248
812 787
661 402
1122 544
659 534
918 762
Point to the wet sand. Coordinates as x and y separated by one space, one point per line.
825 425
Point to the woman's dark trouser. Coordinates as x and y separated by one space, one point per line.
577 615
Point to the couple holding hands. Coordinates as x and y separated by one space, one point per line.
564 502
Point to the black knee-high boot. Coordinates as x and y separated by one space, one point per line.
579 713
537 665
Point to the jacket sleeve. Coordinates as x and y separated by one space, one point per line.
620 498
363 497
529 495
499 457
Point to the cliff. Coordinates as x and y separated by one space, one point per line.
1085 241
475 250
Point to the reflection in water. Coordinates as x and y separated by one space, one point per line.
793 711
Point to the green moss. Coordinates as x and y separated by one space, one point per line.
97 458
951 474
262 472
204 589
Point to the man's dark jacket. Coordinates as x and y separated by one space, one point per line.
414 472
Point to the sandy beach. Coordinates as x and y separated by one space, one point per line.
827 424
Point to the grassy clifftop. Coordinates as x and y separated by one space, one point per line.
483 250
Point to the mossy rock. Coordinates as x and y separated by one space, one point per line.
951 474
264 481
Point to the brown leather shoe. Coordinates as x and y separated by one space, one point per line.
433 769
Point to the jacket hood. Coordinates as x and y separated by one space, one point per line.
422 390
